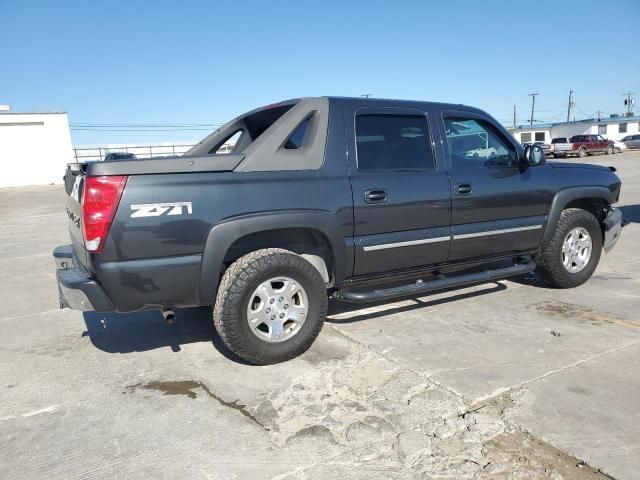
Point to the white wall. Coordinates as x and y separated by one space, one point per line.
34 148
571 129
613 133
547 134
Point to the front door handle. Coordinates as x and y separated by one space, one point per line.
463 189
378 195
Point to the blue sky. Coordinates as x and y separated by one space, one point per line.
203 62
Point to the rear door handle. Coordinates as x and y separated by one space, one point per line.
378 195
463 189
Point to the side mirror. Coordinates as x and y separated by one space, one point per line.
534 155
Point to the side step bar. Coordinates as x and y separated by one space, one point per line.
441 283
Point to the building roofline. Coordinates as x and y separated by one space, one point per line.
620 119
33 113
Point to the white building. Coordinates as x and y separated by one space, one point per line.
34 148
612 128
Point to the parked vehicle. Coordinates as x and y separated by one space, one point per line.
119 156
359 199
545 146
632 141
581 145
618 147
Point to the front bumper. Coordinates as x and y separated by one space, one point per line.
612 228
76 289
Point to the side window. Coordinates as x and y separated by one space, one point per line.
393 142
297 137
474 142
228 144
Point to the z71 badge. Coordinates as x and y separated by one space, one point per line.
158 209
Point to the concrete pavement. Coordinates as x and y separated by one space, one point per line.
503 380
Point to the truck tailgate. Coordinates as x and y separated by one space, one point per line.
562 147
73 184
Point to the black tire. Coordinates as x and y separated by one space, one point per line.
609 150
582 152
236 289
549 259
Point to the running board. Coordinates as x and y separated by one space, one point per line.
441 283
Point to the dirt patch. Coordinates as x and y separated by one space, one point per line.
189 388
520 455
579 313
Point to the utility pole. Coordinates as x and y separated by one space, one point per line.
366 95
629 102
570 105
533 106
514 116
599 116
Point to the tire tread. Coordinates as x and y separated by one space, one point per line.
229 302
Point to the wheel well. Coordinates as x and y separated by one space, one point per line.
596 206
312 244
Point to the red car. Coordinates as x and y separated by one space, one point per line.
581 145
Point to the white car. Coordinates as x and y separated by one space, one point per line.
618 147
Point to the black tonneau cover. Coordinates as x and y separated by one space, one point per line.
183 164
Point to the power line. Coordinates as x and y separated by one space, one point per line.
89 129
146 125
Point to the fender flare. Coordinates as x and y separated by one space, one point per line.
223 235
568 195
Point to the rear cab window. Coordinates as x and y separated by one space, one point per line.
393 142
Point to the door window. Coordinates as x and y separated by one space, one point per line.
393 142
474 142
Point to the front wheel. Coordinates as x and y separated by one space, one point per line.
572 254
609 150
270 307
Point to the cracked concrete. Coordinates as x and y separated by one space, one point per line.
504 380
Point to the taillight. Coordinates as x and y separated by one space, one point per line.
100 199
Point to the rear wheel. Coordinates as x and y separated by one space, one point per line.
270 306
570 257
582 152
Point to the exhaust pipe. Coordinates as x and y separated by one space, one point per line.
169 316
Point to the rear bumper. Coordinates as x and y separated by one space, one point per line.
612 228
77 290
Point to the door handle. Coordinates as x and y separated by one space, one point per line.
378 195
463 189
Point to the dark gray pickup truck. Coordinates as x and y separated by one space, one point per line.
359 199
